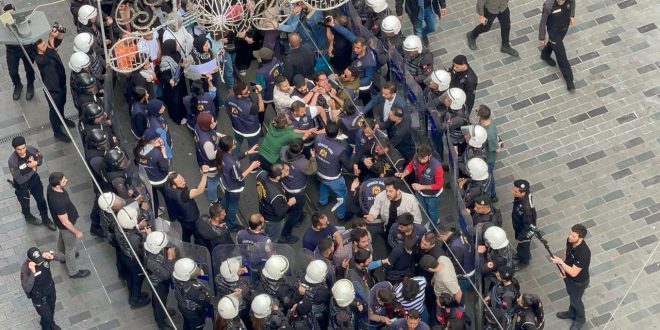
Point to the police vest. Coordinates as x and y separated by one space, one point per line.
242 121
428 177
456 134
347 316
368 192
270 71
420 66
205 103
139 109
124 242
43 281
149 163
155 260
352 125
96 65
296 181
269 286
268 191
474 189
318 309
231 169
224 287
364 62
328 152
303 123
202 137
191 295
112 179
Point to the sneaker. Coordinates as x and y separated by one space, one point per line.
549 60
29 95
31 219
63 138
289 239
472 42
161 210
243 73
564 315
508 50
81 274
17 92
184 121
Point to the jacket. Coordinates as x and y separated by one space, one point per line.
378 102
381 207
52 71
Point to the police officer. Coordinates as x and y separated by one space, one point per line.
151 154
391 34
273 283
368 136
228 309
93 116
229 280
478 184
403 228
494 254
523 215
295 183
266 311
211 230
463 77
37 282
313 288
114 174
344 307
349 119
484 215
96 145
14 56
305 118
84 89
182 201
436 84
135 228
23 164
556 18
385 156
450 122
269 69
488 11
528 312
369 188
379 11
159 258
331 159
475 136
193 295
273 203
244 108
419 61
206 143
139 121
506 291
85 43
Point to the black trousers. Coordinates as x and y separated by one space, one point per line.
193 320
295 215
13 61
60 100
45 306
160 314
95 216
134 277
575 292
505 25
523 252
556 43
188 231
36 189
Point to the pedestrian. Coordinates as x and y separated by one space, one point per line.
557 16
65 216
488 11
398 125
23 164
575 266
387 205
37 282
14 56
523 216
422 16
493 146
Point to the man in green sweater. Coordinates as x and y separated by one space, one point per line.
279 134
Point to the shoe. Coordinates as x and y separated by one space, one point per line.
577 325
31 219
290 239
29 95
63 138
425 42
97 231
184 121
494 199
140 302
49 223
570 86
243 73
549 60
471 40
339 203
508 50
519 266
81 274
564 316
69 123
17 92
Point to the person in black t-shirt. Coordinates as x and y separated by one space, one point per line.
181 200
575 266
65 216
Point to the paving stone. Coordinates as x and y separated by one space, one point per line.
549 78
639 214
599 69
651 219
644 203
594 203
651 181
600 320
597 112
595 6
596 156
644 156
626 4
506 101
75 319
518 149
524 31
547 156
647 28
579 118
485 83
615 283
576 163
652 92
511 59
633 143
589 56
546 121
639 315
624 119
109 325
655 309
614 195
639 46
647 240
627 248
564 195
606 307
520 105
605 91
556 295
609 245
540 98
528 163
616 31
573 61
532 13
621 174
652 268
647 68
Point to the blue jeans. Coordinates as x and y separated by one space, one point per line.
212 187
230 203
429 19
229 70
274 229
338 186
431 206
251 141
491 169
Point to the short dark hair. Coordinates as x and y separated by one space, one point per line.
390 86
239 87
361 256
410 289
325 244
297 104
38 42
360 40
215 210
255 221
171 177
397 111
357 234
358 222
318 74
331 130
280 79
296 146
424 150
316 218
414 314
139 92
410 242
580 229
368 122
353 70
385 295
394 182
276 170
431 237
483 111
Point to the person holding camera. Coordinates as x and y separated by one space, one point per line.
37 282
244 107
14 56
523 216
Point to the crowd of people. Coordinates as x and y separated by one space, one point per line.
338 83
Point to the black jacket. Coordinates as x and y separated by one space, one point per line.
412 8
52 71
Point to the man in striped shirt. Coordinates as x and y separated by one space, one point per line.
410 295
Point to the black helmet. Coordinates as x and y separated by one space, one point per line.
96 139
90 111
115 160
85 81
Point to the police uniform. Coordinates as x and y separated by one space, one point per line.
295 184
368 191
156 166
469 153
319 295
210 235
556 19
272 204
473 189
205 103
420 66
94 156
523 215
280 289
39 286
193 297
134 276
244 116
26 181
466 80
233 183
139 118
159 269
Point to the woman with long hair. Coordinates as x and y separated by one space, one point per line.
232 178
174 87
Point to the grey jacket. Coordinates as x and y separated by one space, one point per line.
493 6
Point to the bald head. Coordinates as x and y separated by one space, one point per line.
294 40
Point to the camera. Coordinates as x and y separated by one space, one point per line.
58 27
535 231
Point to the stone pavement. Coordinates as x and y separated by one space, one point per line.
589 155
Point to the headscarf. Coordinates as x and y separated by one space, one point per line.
169 49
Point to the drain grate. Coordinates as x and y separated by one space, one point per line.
33 130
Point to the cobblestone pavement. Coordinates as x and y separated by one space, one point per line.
589 154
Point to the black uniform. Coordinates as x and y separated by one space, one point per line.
26 182
14 56
193 298
556 19
183 209
159 269
134 276
467 81
54 77
522 216
40 288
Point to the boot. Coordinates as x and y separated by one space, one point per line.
31 219
30 92
17 92
570 86
48 222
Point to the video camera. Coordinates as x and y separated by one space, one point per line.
57 27
535 231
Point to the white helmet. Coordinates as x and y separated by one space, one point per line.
478 136
262 306
496 237
85 13
316 272
155 242
343 292
413 43
105 201
276 266
127 217
78 61
229 306
377 5
477 168
442 78
83 42
457 97
230 267
184 269
391 24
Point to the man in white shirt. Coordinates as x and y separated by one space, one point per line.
282 95
444 277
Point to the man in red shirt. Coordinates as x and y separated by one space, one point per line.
429 180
